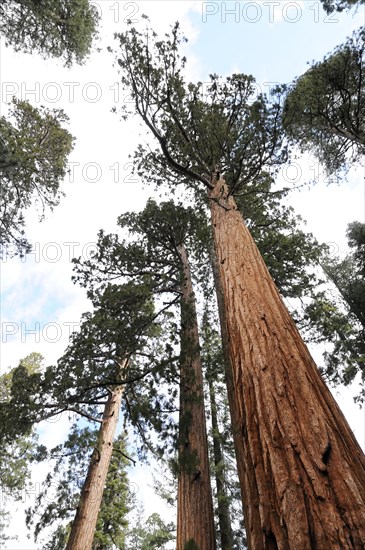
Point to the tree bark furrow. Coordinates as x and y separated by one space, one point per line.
195 517
84 525
303 473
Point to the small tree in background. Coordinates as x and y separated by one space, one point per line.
324 111
62 29
34 149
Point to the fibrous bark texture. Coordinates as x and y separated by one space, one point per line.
301 469
195 519
84 524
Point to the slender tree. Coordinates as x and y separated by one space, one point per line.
210 353
162 236
302 475
195 523
71 460
118 328
84 525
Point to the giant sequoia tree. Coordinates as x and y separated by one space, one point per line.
302 475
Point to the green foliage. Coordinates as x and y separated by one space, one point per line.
17 436
65 482
340 320
198 132
34 147
149 534
19 448
122 326
324 109
191 545
57 28
340 5
4 523
150 252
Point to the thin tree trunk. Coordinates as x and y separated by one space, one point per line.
224 517
84 524
195 519
302 472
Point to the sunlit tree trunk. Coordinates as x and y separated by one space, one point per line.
84 524
195 519
301 470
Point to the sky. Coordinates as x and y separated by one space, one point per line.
272 40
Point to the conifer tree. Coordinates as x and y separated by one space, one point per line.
70 468
54 28
324 109
34 148
162 235
293 467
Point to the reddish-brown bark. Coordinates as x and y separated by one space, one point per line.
301 469
84 524
195 519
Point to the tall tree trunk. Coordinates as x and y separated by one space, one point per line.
224 517
302 472
83 527
195 519
228 368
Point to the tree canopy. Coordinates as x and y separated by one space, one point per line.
34 149
324 110
62 29
339 317
244 131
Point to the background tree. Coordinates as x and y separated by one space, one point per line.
151 533
324 110
35 147
17 451
269 398
213 362
339 5
53 28
65 482
91 376
338 317
162 234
